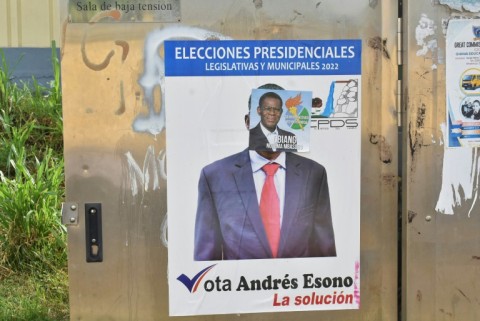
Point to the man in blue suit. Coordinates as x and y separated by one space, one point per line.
229 225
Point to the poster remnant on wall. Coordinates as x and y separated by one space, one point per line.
461 5
263 149
463 83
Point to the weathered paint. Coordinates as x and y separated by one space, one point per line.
460 176
426 36
438 250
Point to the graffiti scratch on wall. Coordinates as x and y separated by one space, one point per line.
154 122
153 76
148 176
141 179
99 66
115 14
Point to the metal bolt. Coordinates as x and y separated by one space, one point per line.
73 207
72 219
428 218
93 211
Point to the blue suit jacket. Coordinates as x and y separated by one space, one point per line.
228 224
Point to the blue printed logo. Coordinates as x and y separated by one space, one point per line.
193 283
476 31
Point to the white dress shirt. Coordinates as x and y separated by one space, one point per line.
271 136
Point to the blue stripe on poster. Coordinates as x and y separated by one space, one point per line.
262 57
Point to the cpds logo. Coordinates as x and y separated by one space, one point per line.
193 283
342 107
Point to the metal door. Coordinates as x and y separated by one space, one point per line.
118 171
441 216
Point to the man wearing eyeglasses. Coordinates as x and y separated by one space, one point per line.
267 135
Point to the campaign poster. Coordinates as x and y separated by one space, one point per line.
463 83
272 227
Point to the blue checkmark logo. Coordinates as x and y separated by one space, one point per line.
193 283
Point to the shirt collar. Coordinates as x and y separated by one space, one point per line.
258 161
266 132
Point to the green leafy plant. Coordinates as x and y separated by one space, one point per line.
33 259
30 216
30 116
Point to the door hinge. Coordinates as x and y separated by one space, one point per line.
399 70
399 41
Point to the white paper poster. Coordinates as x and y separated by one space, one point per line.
232 107
463 83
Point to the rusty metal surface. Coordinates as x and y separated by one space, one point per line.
107 161
441 243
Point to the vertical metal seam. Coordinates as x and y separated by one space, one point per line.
400 186
399 103
399 64
399 41
50 20
9 23
19 23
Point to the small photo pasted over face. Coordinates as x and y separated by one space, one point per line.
279 120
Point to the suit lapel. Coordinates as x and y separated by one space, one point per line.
294 180
259 138
246 189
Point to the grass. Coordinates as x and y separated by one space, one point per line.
34 298
33 260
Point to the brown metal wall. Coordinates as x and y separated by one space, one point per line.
103 97
441 251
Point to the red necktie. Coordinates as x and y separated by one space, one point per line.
270 208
